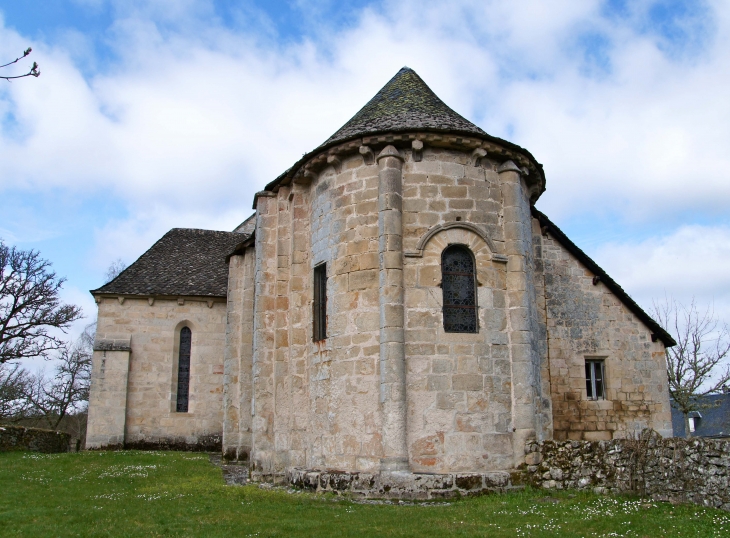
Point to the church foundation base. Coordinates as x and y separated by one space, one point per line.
402 485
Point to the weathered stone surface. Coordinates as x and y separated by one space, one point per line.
133 393
674 469
400 485
19 438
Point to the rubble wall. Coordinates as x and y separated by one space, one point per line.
673 469
19 438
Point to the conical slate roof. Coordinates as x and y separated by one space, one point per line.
404 104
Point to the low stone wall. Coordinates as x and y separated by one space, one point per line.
407 486
672 469
205 443
19 438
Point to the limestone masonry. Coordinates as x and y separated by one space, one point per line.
395 307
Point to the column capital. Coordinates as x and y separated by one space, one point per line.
509 166
389 151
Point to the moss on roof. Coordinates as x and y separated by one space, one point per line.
404 103
184 261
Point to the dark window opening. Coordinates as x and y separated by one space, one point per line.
183 370
595 375
320 303
458 283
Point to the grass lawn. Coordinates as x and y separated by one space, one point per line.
132 493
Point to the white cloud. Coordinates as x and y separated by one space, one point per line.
691 262
194 117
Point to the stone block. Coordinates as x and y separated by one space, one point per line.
360 280
438 382
467 382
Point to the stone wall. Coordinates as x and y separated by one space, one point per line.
460 413
134 386
405 486
18 438
379 217
238 365
673 469
310 409
583 319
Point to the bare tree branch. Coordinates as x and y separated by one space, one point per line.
14 382
34 72
694 365
67 391
115 269
30 305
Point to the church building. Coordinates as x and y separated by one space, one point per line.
396 303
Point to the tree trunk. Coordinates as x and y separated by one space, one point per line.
687 432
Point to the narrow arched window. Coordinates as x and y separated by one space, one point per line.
183 370
458 283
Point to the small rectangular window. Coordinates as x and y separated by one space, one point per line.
692 424
595 376
320 303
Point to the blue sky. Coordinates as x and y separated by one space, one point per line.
155 114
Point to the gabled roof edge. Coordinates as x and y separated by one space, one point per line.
610 283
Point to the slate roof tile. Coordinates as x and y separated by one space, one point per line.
183 262
715 421
405 103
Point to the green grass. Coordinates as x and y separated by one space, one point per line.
134 493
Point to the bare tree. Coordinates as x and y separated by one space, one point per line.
30 305
694 365
14 383
116 267
34 72
67 391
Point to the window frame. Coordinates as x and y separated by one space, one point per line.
473 307
182 392
595 365
319 303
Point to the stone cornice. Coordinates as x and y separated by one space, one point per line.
312 163
180 299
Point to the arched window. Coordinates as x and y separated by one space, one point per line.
183 370
458 283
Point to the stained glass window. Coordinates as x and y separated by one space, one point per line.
183 370
458 283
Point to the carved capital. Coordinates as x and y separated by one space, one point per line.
367 155
309 174
335 162
477 155
390 151
417 147
509 166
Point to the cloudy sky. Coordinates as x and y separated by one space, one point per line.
150 115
